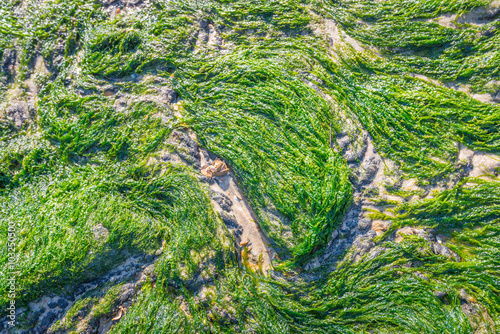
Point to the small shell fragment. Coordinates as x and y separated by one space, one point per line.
217 169
120 314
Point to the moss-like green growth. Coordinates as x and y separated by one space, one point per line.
264 89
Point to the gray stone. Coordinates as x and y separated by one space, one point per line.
128 291
364 245
20 114
464 296
344 144
374 253
440 294
496 97
100 232
350 156
62 303
421 276
169 95
224 202
371 234
229 220
205 179
364 224
441 249
48 319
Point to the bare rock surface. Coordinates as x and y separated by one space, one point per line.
479 163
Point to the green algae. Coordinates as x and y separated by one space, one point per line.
82 163
299 174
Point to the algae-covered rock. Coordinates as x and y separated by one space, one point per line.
249 166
